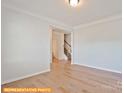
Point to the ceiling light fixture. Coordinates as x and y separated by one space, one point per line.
73 3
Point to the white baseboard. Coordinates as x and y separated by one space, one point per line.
104 69
23 77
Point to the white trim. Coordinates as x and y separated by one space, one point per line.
23 77
110 18
51 36
99 68
72 47
52 22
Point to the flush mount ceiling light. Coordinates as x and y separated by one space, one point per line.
73 3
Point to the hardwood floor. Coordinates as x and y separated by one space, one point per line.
67 78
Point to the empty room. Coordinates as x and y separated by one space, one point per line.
61 46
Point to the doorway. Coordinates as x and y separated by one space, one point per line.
61 46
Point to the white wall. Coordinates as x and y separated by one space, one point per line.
25 45
99 45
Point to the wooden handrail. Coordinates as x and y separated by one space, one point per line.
67 43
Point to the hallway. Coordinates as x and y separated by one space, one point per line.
61 49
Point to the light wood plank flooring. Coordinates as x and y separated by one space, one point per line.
67 78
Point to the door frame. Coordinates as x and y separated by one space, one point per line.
72 42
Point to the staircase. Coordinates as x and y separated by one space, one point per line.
67 49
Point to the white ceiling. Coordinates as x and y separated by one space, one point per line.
59 10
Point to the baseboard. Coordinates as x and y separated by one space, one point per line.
23 77
99 68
